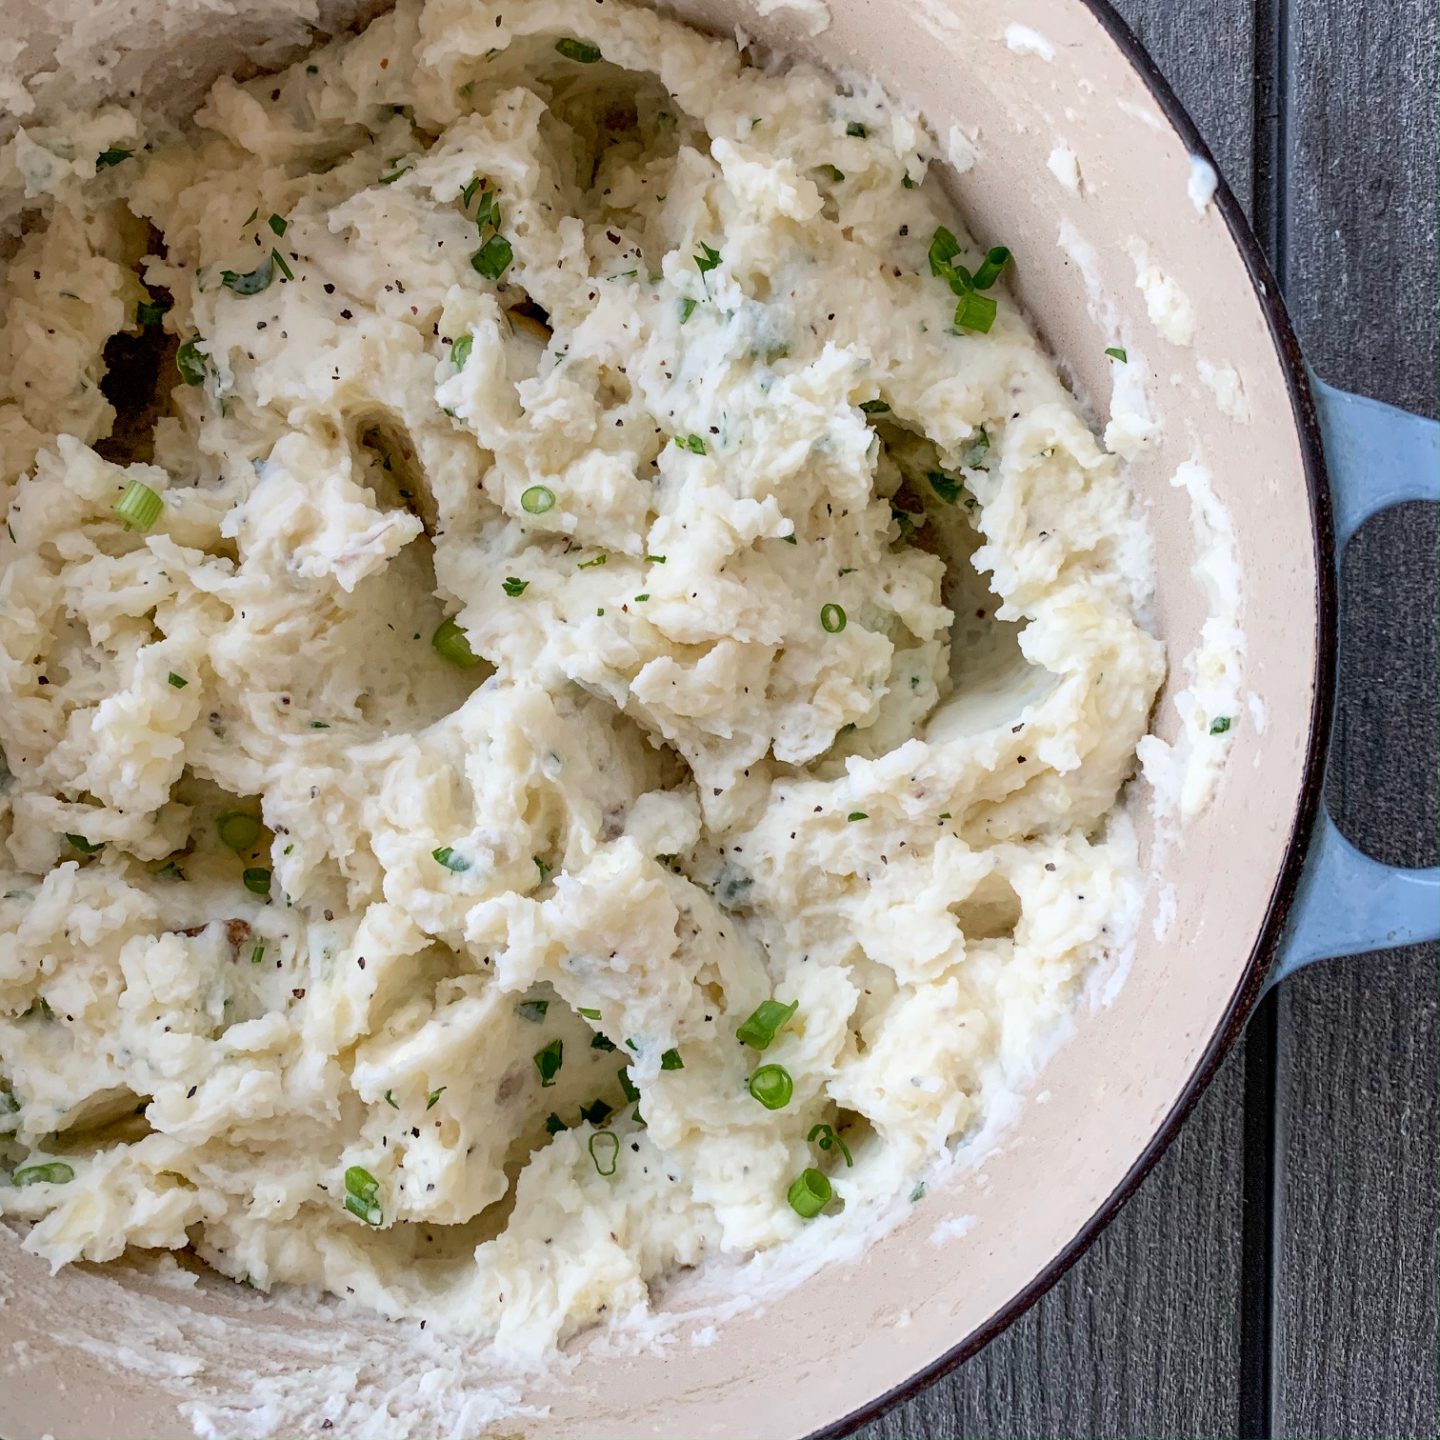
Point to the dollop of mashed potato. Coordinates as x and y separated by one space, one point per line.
511 563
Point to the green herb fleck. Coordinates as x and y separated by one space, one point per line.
192 365
580 51
548 1062
532 1010
1220 725
605 1151
452 861
513 585
493 258
113 156
829 1140
251 282
1117 352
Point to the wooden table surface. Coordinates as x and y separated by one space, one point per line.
1275 1275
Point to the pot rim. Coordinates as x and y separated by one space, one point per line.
1252 980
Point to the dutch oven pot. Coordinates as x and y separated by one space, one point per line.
1261 883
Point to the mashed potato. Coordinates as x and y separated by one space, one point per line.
513 562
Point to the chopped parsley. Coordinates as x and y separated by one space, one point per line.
113 156
695 444
1117 352
1220 725
513 585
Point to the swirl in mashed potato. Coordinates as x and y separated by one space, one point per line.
597 587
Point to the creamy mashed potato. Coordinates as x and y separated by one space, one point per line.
581 582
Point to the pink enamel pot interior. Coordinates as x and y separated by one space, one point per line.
984 1245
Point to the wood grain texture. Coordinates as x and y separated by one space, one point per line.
1142 1337
1357 1076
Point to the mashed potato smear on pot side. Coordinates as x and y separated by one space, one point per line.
537 622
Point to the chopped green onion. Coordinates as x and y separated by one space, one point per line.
537 500
687 308
460 351
975 312
251 282
654 559
1220 725
257 954
832 618
809 1193
945 486
580 51
278 224
250 218
548 1062
257 880
543 868
707 259
768 1019
978 448
995 261
432 1099
450 643
139 506
170 871
596 1111
829 1140
84 846
772 1086
857 815
594 561
918 1193
607 1154
191 364
53 1172
113 156
365 1210
151 312
178 681
282 265
640 599
360 1183
601 1042
693 443
493 258
671 1060
238 830
554 1124
532 1010
791 539
400 168
907 182
944 247
631 1090
874 407
833 175
513 585
450 860
391 1101
856 129
1116 352
588 1014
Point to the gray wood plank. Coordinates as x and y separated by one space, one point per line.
1357 1076
1142 1337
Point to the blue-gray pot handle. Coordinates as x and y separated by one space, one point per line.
1347 903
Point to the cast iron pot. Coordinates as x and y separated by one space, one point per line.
1261 883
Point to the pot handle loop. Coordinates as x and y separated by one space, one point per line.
1347 903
